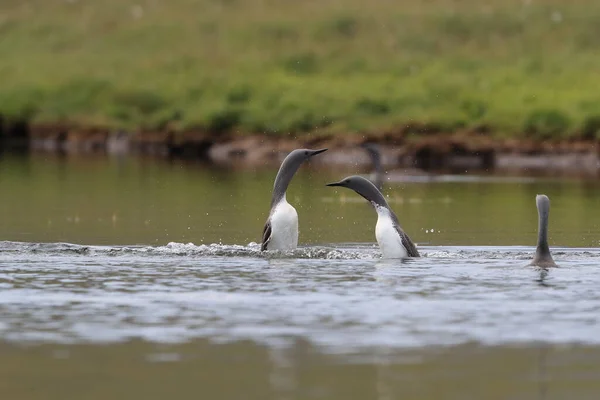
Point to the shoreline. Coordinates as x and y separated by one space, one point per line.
457 152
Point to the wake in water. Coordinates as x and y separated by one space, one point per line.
353 251
342 296
252 249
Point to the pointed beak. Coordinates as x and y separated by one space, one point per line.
315 152
335 184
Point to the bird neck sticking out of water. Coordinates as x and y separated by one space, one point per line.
392 240
543 258
375 155
281 229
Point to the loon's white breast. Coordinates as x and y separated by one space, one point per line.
387 236
284 227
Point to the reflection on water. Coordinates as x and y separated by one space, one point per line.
246 370
179 315
133 201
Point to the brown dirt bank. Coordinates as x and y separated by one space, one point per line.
429 151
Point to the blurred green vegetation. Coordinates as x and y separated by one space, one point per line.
518 67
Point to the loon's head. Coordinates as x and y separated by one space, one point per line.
295 158
288 168
363 187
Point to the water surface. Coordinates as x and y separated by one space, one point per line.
137 201
131 279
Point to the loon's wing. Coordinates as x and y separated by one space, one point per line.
408 244
266 237
410 247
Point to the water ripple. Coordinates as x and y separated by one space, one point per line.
338 251
343 296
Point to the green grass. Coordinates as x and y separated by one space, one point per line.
277 66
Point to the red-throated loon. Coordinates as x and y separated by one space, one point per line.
281 229
392 240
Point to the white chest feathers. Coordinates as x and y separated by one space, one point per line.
284 227
388 238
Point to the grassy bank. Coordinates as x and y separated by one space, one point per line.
520 67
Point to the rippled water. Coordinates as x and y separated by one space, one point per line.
85 314
344 297
330 322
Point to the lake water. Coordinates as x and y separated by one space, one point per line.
133 278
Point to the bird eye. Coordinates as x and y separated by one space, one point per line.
306 153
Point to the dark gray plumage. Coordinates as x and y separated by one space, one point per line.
266 235
367 190
542 257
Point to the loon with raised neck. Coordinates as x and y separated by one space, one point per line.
542 257
281 229
392 240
